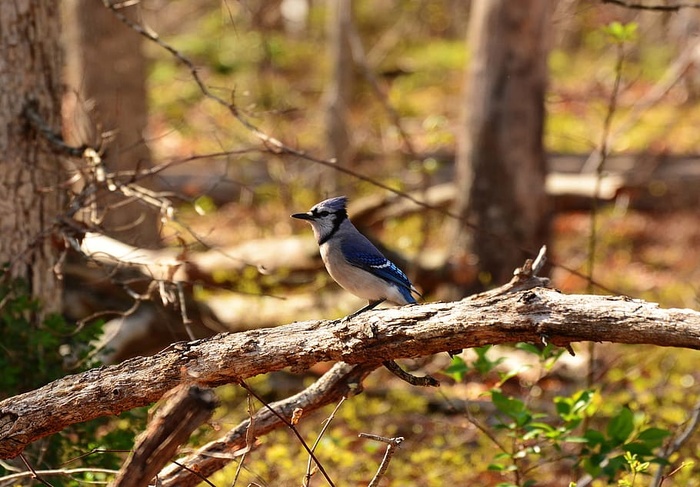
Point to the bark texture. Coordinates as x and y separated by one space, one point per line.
500 156
30 74
528 315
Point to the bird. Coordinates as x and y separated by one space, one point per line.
353 261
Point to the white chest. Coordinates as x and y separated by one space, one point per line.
358 281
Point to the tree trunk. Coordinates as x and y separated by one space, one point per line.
30 74
500 157
106 75
337 100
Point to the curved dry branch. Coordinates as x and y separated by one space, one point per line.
172 425
528 315
342 380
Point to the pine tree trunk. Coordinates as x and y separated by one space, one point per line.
30 72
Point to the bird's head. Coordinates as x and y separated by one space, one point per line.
325 217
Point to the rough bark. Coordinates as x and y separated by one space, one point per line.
500 167
528 315
30 73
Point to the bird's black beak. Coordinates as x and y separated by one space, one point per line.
303 216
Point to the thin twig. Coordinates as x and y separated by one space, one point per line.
171 426
293 428
33 473
31 113
392 445
360 58
655 7
540 261
603 151
671 77
341 380
12 479
326 423
486 431
677 443
193 472
250 439
426 381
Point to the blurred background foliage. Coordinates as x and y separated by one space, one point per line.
504 415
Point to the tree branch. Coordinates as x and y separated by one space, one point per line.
528 315
342 380
172 426
655 7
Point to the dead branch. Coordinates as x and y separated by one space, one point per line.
392 445
189 407
425 381
296 416
529 315
342 380
656 7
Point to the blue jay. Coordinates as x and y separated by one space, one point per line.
352 261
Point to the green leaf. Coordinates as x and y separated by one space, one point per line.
574 408
511 407
615 465
621 426
638 448
594 437
483 364
576 439
506 376
502 456
204 205
457 369
540 427
653 437
620 32
529 347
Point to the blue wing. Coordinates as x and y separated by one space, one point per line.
371 260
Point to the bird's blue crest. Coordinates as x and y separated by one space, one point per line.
333 204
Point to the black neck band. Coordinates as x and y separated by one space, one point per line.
340 216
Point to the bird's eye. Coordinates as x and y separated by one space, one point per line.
322 213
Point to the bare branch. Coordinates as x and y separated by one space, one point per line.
342 380
392 445
12 479
31 113
360 58
291 424
675 444
656 7
189 407
426 381
371 338
326 424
